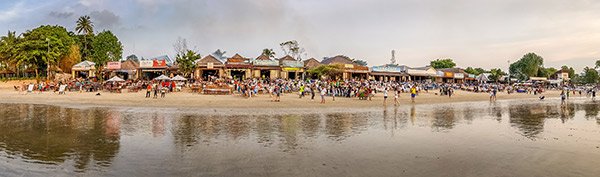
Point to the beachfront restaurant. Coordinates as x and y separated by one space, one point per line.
84 69
389 72
291 68
125 70
426 73
209 66
152 68
451 75
238 67
351 70
265 67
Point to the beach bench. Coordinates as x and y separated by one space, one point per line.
216 91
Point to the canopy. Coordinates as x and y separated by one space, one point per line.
162 77
178 78
115 79
483 77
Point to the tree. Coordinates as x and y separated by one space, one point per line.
186 62
360 62
44 46
597 64
132 57
106 47
85 27
527 66
590 76
180 46
269 53
570 69
9 51
496 73
442 63
293 49
71 58
546 72
327 70
219 54
475 71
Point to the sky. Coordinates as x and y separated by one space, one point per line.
475 33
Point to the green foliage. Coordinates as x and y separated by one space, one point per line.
186 63
475 71
571 71
442 63
85 26
496 73
527 66
590 76
43 46
8 49
106 47
269 53
597 64
327 70
546 72
360 62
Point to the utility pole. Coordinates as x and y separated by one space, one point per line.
48 60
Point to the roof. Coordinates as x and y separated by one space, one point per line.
129 65
287 57
311 63
85 63
340 59
209 59
454 70
263 57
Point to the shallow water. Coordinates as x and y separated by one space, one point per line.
507 138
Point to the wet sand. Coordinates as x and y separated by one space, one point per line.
506 138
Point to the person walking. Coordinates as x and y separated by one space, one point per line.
148 90
312 93
413 93
323 92
385 95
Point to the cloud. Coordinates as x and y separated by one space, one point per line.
13 12
104 19
60 14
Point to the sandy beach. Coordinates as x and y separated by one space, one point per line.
186 99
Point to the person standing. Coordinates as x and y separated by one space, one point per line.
396 103
323 92
312 93
148 90
302 91
155 89
385 95
413 93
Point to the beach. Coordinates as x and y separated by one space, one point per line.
289 101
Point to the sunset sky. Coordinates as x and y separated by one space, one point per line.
472 32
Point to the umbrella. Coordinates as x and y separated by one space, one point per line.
162 77
115 79
178 78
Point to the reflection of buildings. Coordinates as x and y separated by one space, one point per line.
443 118
529 119
54 135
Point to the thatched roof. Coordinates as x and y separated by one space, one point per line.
129 65
340 59
208 59
287 57
263 57
311 63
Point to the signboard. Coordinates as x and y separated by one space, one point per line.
265 63
348 66
290 69
159 63
386 69
449 74
293 64
471 75
235 60
113 65
459 75
146 64
210 65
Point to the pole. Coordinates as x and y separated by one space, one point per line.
508 72
48 60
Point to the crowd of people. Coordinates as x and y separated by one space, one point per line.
248 88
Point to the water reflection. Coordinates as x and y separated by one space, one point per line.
53 135
92 138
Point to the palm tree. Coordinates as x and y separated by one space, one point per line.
269 53
9 50
85 27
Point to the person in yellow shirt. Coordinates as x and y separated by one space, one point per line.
413 93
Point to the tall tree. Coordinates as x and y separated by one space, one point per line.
43 46
597 64
107 47
85 27
9 51
527 66
442 63
269 53
219 54
495 74
293 49
71 58
590 76
186 62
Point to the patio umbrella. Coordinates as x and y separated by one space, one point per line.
178 78
162 77
115 79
